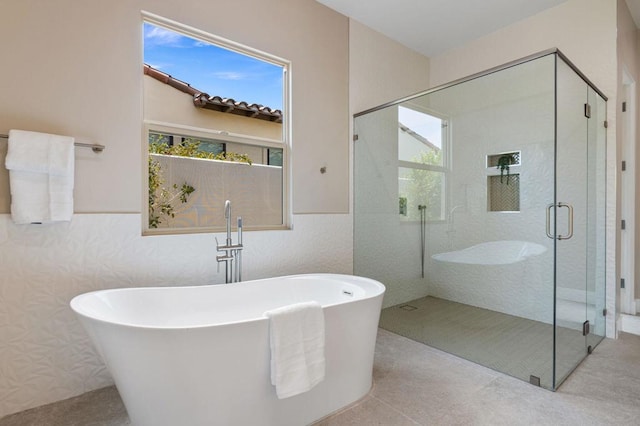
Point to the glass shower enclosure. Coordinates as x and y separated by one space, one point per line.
481 206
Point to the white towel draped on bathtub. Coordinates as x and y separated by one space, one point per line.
41 176
297 348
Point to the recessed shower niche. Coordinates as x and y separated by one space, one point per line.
520 293
503 182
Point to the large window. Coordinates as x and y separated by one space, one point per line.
216 120
422 156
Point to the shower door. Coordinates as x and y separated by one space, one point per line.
576 220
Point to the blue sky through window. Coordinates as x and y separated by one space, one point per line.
213 69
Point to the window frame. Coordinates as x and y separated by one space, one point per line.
220 134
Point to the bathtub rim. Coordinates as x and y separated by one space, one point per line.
76 302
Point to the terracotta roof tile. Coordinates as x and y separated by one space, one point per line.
216 103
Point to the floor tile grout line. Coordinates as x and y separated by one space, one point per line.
402 413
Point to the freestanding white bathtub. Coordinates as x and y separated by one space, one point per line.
200 355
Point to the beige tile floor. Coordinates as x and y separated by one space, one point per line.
418 385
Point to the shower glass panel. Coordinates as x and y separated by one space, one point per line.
571 220
464 198
596 221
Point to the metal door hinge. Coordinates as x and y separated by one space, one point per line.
355 138
623 166
606 124
585 328
604 312
534 380
622 283
587 110
624 107
623 224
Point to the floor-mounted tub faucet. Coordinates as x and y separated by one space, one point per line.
231 251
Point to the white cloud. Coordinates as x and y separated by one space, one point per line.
231 75
160 36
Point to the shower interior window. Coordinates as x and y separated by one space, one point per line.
422 155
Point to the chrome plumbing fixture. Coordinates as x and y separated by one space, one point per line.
451 216
451 225
423 230
230 251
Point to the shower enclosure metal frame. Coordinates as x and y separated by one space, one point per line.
559 214
553 51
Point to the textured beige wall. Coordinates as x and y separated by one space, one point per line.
75 69
382 70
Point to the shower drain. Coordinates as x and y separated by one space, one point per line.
407 307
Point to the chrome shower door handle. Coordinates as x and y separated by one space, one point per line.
549 207
570 221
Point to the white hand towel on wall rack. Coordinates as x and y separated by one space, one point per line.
41 176
296 335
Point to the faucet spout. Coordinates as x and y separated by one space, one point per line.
227 216
453 210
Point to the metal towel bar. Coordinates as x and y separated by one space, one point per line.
97 148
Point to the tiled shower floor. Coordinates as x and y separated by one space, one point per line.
509 344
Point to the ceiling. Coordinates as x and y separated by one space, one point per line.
432 27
